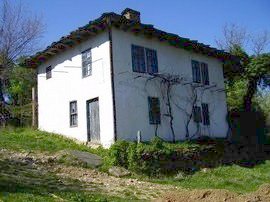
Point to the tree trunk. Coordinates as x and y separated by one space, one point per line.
1 91
170 111
2 105
251 89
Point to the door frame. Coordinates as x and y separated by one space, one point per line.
87 117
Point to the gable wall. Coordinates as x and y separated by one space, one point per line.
67 85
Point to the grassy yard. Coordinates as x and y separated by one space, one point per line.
48 187
234 178
18 182
26 139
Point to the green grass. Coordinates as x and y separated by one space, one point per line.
18 182
234 178
27 139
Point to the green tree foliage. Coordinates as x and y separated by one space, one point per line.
21 81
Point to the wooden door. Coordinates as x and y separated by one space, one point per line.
93 126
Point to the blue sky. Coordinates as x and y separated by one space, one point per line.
199 20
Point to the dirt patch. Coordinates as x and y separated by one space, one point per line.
43 170
35 169
216 195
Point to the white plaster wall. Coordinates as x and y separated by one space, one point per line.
131 94
67 85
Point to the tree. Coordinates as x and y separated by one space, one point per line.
21 81
256 67
19 35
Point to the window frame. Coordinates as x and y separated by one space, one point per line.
154 117
200 72
72 114
144 62
86 70
48 71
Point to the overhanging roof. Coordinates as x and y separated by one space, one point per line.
108 20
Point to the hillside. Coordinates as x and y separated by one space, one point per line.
34 167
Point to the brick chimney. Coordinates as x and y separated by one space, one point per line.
131 14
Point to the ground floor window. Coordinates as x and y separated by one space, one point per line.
154 110
73 114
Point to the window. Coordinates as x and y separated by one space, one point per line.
86 63
200 72
49 72
205 74
196 74
73 113
197 117
205 112
144 60
154 110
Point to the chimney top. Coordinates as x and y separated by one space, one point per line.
131 14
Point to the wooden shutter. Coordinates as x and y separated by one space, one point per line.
205 112
154 110
151 61
197 117
196 74
138 58
205 74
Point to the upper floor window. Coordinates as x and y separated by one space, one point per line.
49 72
73 114
86 63
144 60
200 72
154 110
196 72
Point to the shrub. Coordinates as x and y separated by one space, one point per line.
158 157
118 155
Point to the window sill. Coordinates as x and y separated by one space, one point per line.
86 76
75 126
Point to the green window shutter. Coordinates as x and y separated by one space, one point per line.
205 73
197 117
138 59
205 112
151 61
196 72
154 110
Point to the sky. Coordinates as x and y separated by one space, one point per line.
198 20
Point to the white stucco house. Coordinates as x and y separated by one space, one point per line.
106 81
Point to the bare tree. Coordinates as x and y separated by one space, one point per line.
260 42
233 35
20 32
